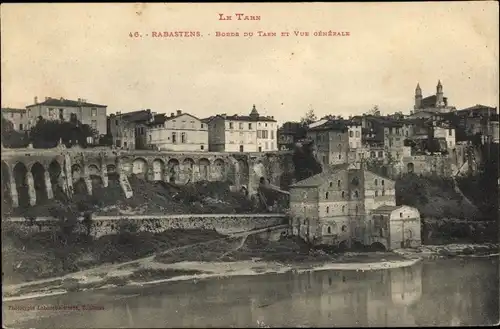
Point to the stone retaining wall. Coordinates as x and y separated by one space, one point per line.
105 225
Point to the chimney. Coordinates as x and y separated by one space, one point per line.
179 112
36 100
62 99
47 98
172 114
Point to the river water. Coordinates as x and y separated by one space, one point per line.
431 293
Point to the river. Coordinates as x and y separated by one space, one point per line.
431 293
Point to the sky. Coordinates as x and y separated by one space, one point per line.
85 51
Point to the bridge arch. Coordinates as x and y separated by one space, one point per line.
188 168
204 165
173 170
38 172
220 169
140 167
95 175
20 172
411 168
158 169
378 246
6 186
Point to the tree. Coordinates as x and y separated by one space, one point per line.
374 111
309 118
305 162
48 133
12 138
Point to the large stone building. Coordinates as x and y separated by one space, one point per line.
480 119
331 140
129 129
434 103
242 133
93 115
17 117
289 134
178 132
346 204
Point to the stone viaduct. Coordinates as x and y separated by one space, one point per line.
30 175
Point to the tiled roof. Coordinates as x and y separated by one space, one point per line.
65 102
321 178
237 117
12 110
478 107
331 125
135 116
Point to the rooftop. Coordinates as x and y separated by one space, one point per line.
66 103
387 209
13 110
319 179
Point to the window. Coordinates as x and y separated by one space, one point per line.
338 183
450 132
183 137
202 147
344 228
380 155
259 133
94 124
382 182
327 210
356 194
351 134
329 231
93 112
20 126
343 194
249 126
357 133
29 113
326 195
356 209
266 124
202 126
150 138
331 184
230 125
343 209
240 126
272 134
372 154
376 193
401 215
340 156
116 122
376 182
174 137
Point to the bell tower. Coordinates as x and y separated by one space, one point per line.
418 97
439 95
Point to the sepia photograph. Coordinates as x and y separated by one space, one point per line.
251 165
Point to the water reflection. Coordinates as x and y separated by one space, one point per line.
441 293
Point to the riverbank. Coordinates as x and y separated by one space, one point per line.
238 255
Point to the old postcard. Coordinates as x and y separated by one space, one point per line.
177 165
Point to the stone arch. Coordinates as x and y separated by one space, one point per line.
204 165
55 171
20 172
112 172
140 167
378 246
79 186
411 168
343 245
38 172
158 169
243 171
220 169
173 170
188 168
6 178
95 175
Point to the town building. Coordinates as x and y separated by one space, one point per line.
242 133
434 103
90 114
346 205
355 136
289 134
17 117
331 142
128 130
479 119
177 132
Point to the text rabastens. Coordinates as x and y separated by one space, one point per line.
176 34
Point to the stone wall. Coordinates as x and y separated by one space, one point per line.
105 225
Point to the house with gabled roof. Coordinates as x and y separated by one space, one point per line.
336 206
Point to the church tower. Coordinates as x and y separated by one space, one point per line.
418 97
254 114
439 95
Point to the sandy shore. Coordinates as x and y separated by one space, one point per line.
207 270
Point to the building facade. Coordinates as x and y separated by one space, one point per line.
331 141
238 133
90 114
178 132
17 117
128 130
336 208
355 136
